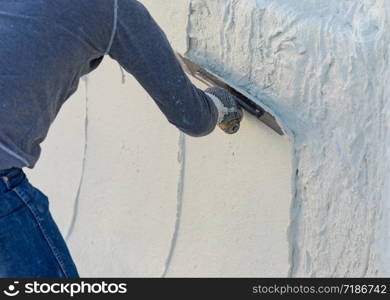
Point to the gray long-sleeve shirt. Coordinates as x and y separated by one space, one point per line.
47 45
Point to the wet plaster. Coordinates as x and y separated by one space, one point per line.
321 68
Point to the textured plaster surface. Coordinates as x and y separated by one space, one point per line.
153 202
322 67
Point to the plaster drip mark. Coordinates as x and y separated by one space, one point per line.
123 74
77 199
179 207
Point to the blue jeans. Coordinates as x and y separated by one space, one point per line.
30 243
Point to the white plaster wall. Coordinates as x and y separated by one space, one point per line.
322 67
135 197
154 202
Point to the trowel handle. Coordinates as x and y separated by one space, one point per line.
212 80
257 112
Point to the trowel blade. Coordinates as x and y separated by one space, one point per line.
211 80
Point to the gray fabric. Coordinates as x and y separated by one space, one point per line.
231 110
47 45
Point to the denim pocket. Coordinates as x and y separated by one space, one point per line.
37 201
30 243
10 203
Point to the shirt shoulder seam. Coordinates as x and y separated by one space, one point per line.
114 27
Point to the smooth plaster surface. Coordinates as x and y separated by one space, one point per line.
153 202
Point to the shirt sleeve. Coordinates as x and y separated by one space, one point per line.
142 49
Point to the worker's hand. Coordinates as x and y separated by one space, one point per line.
229 112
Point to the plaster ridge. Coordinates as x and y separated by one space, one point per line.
179 207
123 74
77 199
188 27
292 230
181 160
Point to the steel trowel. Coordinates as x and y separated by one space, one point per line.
208 78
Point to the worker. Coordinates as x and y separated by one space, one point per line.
46 46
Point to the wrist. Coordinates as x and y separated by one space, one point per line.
219 105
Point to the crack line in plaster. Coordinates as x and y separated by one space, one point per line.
77 199
179 208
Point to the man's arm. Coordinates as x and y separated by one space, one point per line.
143 50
